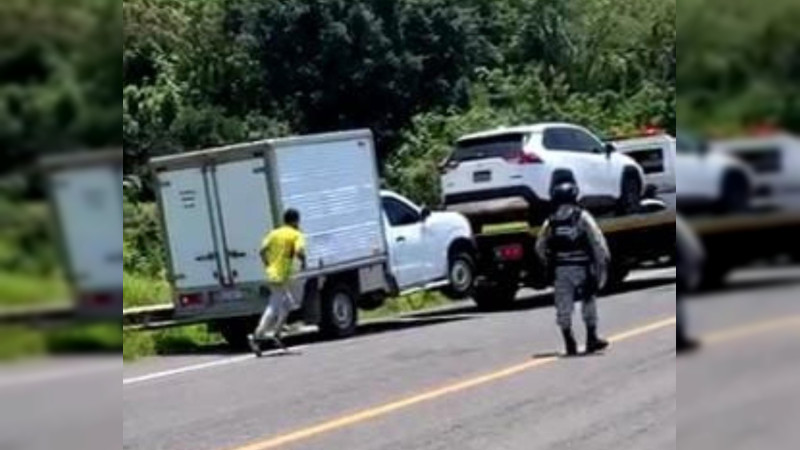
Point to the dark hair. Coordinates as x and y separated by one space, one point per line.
291 217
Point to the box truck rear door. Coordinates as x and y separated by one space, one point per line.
190 228
89 204
244 204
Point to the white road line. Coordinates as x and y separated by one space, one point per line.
198 367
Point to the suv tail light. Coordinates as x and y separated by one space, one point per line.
523 158
513 252
191 299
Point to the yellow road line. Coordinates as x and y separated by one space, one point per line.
752 330
382 410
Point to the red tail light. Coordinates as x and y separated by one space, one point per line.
191 299
523 158
98 299
513 252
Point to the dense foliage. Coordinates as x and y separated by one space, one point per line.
417 72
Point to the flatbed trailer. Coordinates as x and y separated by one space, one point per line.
736 241
507 258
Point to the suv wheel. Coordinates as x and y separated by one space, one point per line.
631 195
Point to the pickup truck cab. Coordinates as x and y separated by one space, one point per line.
427 247
655 153
710 181
774 159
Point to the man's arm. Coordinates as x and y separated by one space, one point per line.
300 252
601 253
542 242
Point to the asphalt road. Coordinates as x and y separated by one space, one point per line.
453 380
742 390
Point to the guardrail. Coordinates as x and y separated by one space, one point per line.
148 317
38 315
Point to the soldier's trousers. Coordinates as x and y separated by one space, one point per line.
571 285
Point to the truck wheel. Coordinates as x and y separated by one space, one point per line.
616 278
461 276
630 195
236 330
495 298
714 276
339 311
735 193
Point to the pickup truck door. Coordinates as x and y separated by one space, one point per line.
406 244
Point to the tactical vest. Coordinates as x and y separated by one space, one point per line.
569 242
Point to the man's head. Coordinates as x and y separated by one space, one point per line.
565 193
292 218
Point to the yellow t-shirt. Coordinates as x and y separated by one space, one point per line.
282 246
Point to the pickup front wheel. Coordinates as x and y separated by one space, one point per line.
461 276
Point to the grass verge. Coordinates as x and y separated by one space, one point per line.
140 291
26 290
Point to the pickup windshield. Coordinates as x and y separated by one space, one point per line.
506 146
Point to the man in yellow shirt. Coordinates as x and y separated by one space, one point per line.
279 250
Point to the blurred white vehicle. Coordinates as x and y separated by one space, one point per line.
710 181
654 150
85 193
774 158
526 162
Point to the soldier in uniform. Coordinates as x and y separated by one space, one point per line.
574 250
690 260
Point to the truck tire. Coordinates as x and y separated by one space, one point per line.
461 276
617 274
735 193
339 311
714 276
236 330
495 298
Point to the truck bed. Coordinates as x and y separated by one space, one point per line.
632 240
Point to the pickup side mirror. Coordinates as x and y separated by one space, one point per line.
609 149
425 214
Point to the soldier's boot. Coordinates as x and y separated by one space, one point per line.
569 342
593 343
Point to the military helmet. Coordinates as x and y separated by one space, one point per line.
565 193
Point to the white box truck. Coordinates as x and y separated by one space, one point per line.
363 245
85 191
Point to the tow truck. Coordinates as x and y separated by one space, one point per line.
736 241
507 260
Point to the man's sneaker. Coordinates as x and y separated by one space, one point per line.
277 343
255 346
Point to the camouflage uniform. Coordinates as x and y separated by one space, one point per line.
579 273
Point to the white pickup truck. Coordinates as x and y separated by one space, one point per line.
687 176
363 244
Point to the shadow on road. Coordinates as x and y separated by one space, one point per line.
187 348
538 300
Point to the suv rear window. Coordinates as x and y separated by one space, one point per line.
505 146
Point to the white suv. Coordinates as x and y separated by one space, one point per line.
516 168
